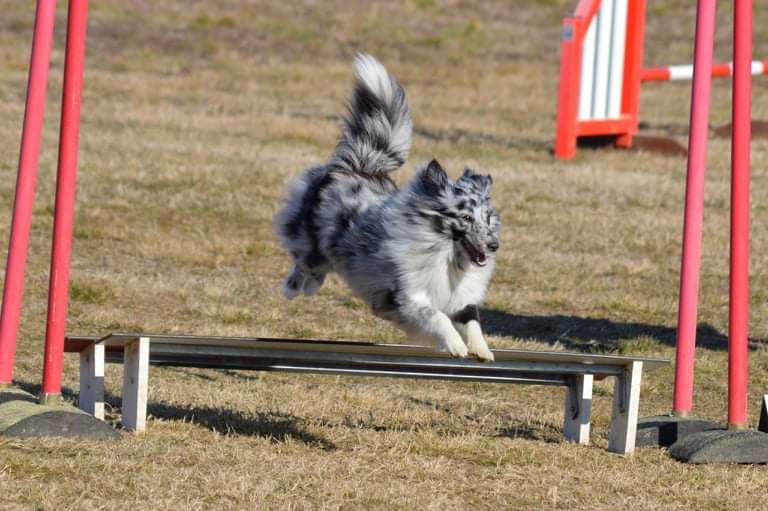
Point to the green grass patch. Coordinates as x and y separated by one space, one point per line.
97 292
205 22
638 346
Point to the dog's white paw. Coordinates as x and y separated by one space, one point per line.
476 343
482 353
455 346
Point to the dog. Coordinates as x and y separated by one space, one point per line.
421 256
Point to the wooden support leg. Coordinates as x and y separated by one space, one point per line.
135 384
578 409
91 399
626 402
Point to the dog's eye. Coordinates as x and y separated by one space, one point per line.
467 218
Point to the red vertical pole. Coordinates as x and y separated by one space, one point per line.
694 208
738 326
65 199
633 63
29 154
568 95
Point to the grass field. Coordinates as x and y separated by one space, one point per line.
195 117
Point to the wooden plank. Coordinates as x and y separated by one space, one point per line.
258 357
76 344
115 340
576 370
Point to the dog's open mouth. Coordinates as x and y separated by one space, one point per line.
477 256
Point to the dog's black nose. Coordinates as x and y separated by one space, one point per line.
493 245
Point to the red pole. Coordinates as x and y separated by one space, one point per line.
694 208
633 62
65 199
25 186
739 286
568 95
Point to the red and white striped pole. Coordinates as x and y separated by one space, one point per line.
58 292
738 325
21 223
685 71
694 208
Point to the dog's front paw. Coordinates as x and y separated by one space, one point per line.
482 353
476 343
455 346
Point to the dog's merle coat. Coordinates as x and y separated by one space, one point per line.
421 256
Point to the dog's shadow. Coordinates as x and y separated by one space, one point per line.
593 334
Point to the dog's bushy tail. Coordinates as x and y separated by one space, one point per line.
377 132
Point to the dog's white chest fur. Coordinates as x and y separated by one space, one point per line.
431 276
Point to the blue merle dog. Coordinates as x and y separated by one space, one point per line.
421 256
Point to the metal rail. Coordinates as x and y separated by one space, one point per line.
363 359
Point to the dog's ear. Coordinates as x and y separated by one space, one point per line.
476 182
433 178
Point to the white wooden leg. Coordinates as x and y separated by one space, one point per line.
91 399
626 402
578 409
135 384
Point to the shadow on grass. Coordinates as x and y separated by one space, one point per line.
513 428
278 427
592 334
540 432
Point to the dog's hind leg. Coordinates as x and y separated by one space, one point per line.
294 283
313 282
467 323
426 323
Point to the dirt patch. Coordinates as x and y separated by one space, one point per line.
759 130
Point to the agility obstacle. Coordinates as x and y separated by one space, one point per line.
685 71
694 206
575 372
65 194
601 71
736 443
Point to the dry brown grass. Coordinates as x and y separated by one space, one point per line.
196 114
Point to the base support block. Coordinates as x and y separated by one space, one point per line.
665 430
722 446
22 416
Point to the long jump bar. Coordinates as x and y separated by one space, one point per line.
363 359
685 71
